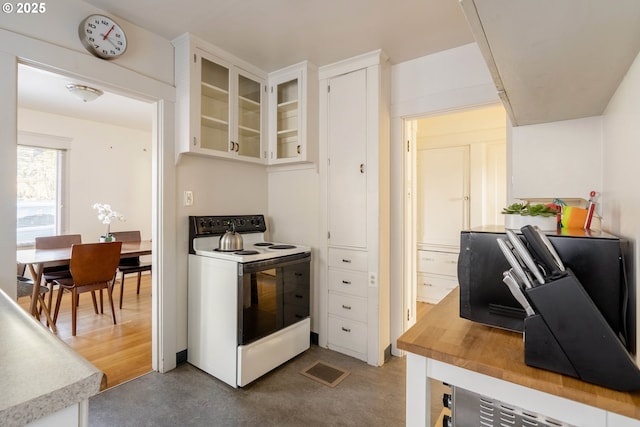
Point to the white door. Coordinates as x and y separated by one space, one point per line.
347 153
444 195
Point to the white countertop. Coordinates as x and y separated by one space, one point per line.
39 373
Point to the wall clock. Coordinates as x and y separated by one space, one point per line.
102 36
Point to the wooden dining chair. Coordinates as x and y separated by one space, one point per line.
93 267
24 287
50 274
130 265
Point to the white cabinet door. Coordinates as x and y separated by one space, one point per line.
443 201
293 114
248 126
212 132
347 152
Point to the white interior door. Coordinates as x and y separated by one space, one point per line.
347 152
444 195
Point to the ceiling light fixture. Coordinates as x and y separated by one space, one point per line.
85 93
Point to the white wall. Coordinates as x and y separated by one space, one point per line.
147 53
559 159
50 41
621 173
106 164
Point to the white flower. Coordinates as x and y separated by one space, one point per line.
106 214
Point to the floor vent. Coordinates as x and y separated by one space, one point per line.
324 373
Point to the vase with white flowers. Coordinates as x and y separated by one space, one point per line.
106 215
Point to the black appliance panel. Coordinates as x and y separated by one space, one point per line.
595 261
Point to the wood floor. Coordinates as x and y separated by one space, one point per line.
121 351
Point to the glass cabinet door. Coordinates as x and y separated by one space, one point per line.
287 133
214 106
248 142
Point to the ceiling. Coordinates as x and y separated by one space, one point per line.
268 34
556 60
44 91
272 34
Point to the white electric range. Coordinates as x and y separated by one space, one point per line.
248 310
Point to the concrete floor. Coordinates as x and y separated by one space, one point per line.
369 396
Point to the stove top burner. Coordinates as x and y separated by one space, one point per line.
282 247
263 244
246 252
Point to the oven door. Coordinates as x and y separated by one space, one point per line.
272 294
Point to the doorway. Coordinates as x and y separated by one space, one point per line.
455 179
121 80
106 144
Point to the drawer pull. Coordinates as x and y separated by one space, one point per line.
345 329
427 284
346 282
348 261
298 274
298 296
429 259
346 307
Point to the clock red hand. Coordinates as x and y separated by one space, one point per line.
108 32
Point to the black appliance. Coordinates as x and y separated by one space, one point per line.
595 258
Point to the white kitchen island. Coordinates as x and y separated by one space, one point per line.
43 381
490 362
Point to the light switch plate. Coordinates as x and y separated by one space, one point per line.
188 198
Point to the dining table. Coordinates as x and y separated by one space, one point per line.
37 259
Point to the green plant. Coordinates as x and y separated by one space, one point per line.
530 210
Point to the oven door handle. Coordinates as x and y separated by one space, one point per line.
255 266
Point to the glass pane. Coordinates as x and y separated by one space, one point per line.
248 117
288 145
214 108
37 190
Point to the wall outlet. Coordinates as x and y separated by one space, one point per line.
188 198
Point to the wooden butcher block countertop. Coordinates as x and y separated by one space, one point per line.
444 336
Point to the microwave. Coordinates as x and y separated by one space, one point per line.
596 259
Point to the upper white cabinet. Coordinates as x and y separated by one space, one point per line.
293 114
552 60
220 103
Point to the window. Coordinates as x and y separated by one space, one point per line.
38 193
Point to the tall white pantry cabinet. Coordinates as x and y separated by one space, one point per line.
354 175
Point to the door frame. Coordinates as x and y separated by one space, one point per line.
403 311
39 54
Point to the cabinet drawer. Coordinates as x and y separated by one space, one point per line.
353 308
444 263
433 288
348 259
348 282
349 334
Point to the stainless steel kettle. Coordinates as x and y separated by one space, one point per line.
230 241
